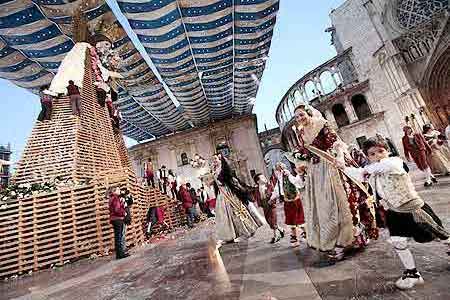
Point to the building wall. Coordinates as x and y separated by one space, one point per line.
239 133
391 92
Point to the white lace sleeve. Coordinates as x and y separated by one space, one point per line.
297 181
387 165
356 173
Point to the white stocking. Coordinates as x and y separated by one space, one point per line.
401 247
428 175
407 258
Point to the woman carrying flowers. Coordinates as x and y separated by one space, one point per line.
338 212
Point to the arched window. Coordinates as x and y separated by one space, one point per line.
310 90
327 81
361 107
340 115
184 159
336 75
298 97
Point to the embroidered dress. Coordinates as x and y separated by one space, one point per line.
439 160
233 218
269 207
337 211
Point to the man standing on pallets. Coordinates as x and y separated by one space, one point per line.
75 98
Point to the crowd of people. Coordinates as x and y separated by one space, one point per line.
335 197
429 149
194 201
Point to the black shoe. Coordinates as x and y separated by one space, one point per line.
123 256
281 233
294 239
333 256
275 240
434 180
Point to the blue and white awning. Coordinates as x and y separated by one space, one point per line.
211 55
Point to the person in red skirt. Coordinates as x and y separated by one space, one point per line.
416 147
287 191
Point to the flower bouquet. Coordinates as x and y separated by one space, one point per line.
300 157
25 190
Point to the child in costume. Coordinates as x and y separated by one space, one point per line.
287 190
264 193
407 215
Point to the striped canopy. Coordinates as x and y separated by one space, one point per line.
210 54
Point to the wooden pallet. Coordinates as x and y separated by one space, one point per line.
73 222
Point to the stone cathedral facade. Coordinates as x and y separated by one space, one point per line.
393 61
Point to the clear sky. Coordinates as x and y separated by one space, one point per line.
299 44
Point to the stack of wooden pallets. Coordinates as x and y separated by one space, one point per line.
50 150
73 222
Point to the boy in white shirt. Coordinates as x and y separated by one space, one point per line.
407 215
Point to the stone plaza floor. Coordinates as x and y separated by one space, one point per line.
191 268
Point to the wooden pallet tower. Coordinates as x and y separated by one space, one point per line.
73 222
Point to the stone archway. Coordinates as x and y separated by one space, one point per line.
421 33
437 90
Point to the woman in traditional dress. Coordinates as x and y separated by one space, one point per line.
263 195
338 213
233 218
439 160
